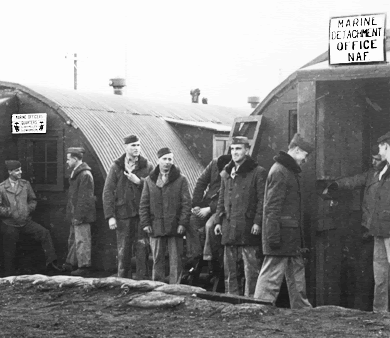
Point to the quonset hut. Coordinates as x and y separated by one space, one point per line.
196 133
342 110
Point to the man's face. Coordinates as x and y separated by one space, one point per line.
15 174
165 162
377 162
383 149
300 156
71 161
238 151
133 149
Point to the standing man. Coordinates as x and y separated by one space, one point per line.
282 228
380 229
241 203
121 197
165 214
17 201
80 212
370 181
204 206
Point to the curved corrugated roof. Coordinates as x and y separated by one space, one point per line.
106 119
291 80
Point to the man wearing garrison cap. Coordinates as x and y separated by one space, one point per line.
283 228
165 213
239 216
121 197
80 212
370 181
17 201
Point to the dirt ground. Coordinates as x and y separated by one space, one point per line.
32 311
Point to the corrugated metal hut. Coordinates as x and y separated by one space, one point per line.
97 122
342 110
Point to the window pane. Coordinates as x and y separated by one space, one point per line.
293 117
38 174
51 149
247 129
39 151
51 173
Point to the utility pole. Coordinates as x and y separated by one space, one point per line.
75 71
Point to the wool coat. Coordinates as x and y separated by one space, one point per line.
16 206
208 185
370 181
380 225
121 197
240 203
282 221
81 196
164 209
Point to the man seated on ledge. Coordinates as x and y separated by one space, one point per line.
17 201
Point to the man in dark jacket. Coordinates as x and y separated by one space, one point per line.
17 201
370 181
121 197
380 229
165 213
282 228
204 206
80 212
240 205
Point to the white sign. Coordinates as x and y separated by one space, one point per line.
29 123
357 39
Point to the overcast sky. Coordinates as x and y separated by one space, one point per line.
228 49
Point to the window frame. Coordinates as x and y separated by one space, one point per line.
220 137
49 136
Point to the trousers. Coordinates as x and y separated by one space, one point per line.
11 237
128 238
159 246
271 277
79 245
213 242
233 254
381 273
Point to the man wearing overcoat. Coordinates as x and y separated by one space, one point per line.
165 214
80 212
283 229
121 198
239 216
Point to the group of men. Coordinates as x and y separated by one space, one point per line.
256 217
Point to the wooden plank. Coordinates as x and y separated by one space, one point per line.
232 299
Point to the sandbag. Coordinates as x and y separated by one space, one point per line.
156 299
179 289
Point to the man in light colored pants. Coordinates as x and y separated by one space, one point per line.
79 245
271 277
381 273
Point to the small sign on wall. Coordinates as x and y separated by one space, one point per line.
29 123
357 39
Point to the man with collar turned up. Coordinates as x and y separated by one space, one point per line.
121 197
239 216
17 202
165 214
283 229
80 212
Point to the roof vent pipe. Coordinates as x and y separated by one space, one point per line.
118 84
254 101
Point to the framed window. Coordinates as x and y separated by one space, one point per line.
42 161
220 145
248 126
292 124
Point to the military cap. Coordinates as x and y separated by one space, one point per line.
12 165
240 140
163 151
385 138
131 139
298 141
75 150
